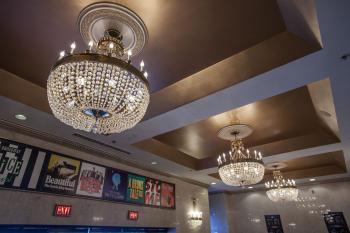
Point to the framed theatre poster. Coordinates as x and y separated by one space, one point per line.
91 180
20 165
152 196
168 195
273 224
61 175
336 222
115 185
136 189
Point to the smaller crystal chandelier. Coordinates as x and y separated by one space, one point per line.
280 189
195 217
239 167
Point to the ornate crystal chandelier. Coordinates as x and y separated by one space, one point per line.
99 90
280 189
239 167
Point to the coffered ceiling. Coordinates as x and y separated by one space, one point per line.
274 65
184 36
194 48
282 123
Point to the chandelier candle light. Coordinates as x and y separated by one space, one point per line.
280 189
99 90
239 167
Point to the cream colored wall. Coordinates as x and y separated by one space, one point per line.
19 207
245 211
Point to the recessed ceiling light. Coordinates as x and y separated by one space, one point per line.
213 183
154 163
21 117
250 187
312 179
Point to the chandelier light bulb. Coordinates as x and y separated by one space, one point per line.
62 54
142 64
129 54
146 75
91 43
72 47
111 46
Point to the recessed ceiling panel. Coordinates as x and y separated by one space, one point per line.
284 123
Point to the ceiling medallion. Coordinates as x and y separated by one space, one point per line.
239 167
99 90
280 189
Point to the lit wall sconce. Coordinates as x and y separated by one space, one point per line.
195 217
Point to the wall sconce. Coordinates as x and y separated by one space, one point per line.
195 216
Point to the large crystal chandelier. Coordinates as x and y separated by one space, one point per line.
99 90
239 167
280 189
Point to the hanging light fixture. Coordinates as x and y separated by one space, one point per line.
99 90
280 189
195 217
239 167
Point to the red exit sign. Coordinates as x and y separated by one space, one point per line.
63 210
133 215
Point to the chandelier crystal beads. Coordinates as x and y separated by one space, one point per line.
280 189
239 167
99 90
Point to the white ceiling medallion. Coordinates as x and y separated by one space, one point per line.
95 19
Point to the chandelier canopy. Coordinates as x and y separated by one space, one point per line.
280 189
99 90
239 167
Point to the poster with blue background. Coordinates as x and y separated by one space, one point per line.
115 185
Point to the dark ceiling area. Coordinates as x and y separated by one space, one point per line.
179 44
187 57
